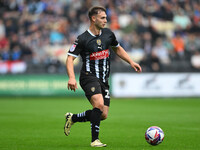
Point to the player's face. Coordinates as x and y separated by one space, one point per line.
100 20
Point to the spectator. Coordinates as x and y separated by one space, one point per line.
56 37
179 45
34 25
155 63
161 52
192 45
3 42
181 20
147 43
5 53
16 53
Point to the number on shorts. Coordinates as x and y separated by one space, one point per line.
107 94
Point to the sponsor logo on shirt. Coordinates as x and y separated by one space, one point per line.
99 55
72 48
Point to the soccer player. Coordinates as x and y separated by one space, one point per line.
93 46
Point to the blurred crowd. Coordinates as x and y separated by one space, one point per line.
158 34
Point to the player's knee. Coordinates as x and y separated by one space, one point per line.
100 106
104 116
97 101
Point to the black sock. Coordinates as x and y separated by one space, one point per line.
95 123
82 117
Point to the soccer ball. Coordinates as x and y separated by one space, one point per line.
154 135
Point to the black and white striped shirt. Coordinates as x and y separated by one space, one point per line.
95 52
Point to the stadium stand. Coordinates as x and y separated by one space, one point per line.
161 35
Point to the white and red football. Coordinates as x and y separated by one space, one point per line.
154 135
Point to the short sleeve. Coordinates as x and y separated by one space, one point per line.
114 43
76 48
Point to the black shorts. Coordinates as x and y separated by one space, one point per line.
92 85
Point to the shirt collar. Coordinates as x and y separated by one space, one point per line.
93 34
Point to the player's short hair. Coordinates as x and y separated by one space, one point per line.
95 10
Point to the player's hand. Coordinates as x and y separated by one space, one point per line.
72 85
137 67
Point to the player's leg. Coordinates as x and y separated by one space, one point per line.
73 118
95 118
106 97
97 102
82 117
90 88
104 115
68 123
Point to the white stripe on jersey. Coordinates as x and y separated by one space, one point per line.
104 69
107 66
97 68
88 63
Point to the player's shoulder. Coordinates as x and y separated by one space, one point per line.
107 30
83 35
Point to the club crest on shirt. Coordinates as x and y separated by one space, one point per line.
98 41
92 89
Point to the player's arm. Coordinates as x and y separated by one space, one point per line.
123 55
72 84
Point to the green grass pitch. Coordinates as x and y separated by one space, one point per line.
36 123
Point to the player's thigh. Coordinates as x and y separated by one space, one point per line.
91 88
